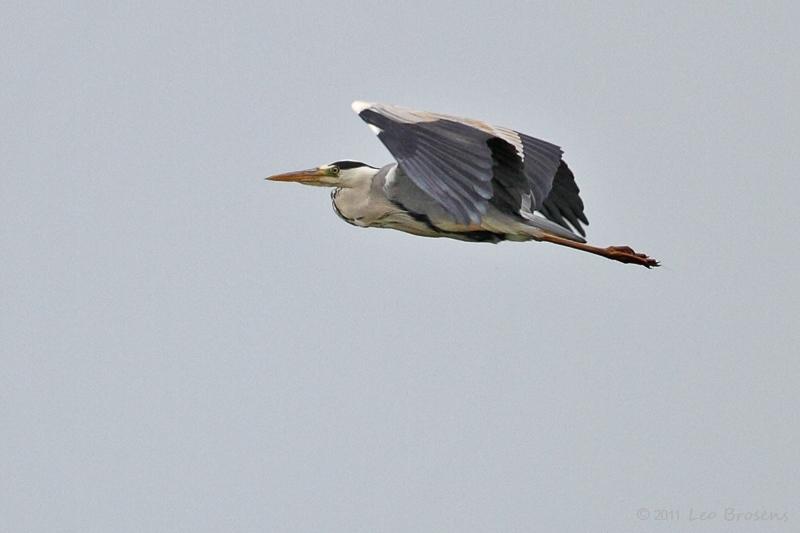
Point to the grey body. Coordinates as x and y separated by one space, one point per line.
388 198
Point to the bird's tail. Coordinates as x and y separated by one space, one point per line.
537 225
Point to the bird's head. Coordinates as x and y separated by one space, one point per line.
337 174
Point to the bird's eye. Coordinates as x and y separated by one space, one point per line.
334 170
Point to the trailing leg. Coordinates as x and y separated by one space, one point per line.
623 254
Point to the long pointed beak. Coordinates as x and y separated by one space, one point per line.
300 176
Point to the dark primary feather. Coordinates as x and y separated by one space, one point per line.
506 183
564 201
541 162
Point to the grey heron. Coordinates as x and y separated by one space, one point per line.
462 179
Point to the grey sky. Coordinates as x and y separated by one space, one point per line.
186 347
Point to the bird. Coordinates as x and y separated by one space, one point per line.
461 179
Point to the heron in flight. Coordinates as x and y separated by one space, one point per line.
462 179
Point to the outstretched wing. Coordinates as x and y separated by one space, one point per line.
465 165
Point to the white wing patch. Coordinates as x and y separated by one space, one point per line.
526 205
390 179
359 106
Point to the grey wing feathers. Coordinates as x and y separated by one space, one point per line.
464 165
541 162
448 160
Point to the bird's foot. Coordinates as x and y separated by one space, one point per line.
626 254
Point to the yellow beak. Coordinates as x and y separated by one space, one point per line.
310 175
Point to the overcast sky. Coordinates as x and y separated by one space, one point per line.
186 347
